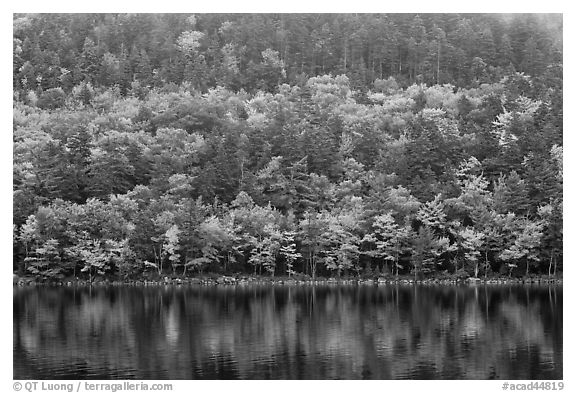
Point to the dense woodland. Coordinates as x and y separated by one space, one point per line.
319 145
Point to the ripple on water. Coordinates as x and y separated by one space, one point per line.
391 332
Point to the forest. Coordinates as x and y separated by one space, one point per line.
305 145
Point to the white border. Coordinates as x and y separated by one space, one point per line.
292 6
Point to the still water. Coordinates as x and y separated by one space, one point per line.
264 332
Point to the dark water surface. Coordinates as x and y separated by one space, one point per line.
263 332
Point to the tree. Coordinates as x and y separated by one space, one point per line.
265 247
89 60
189 43
174 151
423 259
267 74
387 238
29 237
109 172
401 202
432 216
440 37
511 195
172 246
341 244
273 185
78 147
311 228
492 228
53 98
470 243
258 231
552 234
288 250
97 256
45 261
215 237
526 242
110 70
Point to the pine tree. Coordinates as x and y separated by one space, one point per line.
45 260
431 215
511 195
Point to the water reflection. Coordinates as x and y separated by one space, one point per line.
392 332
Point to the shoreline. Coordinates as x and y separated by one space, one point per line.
288 281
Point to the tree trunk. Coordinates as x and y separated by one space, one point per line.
22 265
550 265
313 266
241 173
345 54
396 259
438 65
158 259
313 269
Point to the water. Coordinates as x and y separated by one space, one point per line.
263 332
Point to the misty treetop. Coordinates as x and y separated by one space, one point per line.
258 51
287 144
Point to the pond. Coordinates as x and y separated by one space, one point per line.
282 332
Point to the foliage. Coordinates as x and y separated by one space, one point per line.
240 143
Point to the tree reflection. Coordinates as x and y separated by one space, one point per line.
262 332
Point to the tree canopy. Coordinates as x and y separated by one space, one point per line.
283 144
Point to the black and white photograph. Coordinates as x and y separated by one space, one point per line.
286 196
